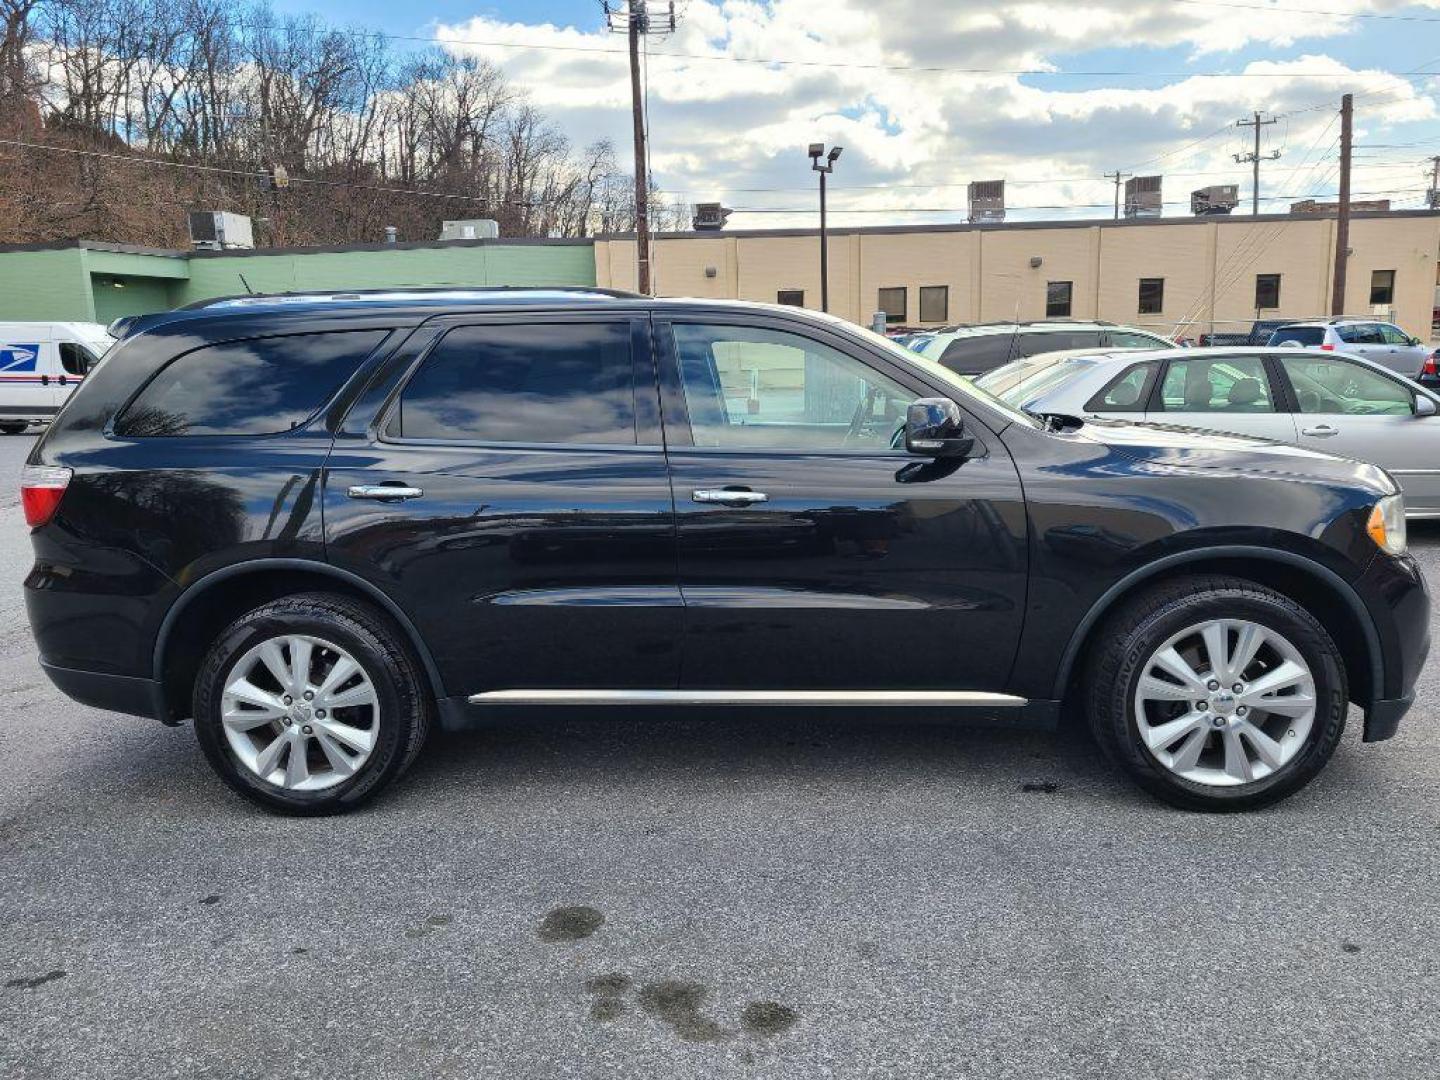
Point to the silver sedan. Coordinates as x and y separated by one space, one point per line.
1328 401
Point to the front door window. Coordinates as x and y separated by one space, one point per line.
755 388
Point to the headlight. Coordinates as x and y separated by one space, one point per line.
1387 524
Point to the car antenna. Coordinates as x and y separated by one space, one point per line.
248 289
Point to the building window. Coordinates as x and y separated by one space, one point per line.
1057 299
892 303
1152 295
1267 291
1382 287
934 303
791 297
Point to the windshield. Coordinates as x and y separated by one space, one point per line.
1007 375
1034 385
962 387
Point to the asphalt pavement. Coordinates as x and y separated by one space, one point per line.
771 895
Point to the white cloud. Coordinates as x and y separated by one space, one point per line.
913 137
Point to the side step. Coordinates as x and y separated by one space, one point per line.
970 699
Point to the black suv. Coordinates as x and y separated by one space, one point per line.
318 524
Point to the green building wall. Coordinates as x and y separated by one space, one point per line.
102 282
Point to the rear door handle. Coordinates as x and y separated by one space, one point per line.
385 492
727 497
1320 431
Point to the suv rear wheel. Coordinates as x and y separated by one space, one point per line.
310 704
1215 693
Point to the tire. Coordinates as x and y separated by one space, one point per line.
378 720
1128 717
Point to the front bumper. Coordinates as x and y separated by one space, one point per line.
1395 592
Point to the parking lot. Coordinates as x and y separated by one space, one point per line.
690 896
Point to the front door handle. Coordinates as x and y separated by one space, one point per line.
385 492
728 497
1320 431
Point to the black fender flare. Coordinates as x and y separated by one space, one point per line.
1337 584
199 588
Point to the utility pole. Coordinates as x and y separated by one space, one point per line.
634 19
1342 217
1117 176
1433 196
825 168
1256 157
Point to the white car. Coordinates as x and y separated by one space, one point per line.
1383 342
41 363
1326 401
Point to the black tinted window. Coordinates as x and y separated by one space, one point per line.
255 387
972 355
1300 335
1031 344
566 382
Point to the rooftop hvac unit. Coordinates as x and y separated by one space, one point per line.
709 216
470 229
1215 199
987 201
217 230
1142 197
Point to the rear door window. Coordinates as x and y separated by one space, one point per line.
973 355
523 383
1226 384
260 386
1056 341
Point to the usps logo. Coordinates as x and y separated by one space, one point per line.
18 357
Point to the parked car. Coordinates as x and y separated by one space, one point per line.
1430 371
1383 342
318 525
1259 333
41 363
1327 401
974 350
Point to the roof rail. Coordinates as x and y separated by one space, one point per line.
419 291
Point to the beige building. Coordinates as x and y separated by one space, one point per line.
1181 276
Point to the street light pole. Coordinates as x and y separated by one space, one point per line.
817 151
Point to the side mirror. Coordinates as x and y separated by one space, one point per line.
1425 405
1416 341
935 428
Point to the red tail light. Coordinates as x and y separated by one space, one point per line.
1328 348
1429 368
41 489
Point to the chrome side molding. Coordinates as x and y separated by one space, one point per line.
970 699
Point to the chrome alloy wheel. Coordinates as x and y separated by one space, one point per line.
1225 702
300 712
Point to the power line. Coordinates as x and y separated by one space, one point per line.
135 159
1056 206
1275 9
782 61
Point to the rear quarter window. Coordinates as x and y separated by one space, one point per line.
1301 335
259 386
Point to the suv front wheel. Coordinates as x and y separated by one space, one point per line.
310 704
1216 693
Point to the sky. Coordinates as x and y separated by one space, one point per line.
926 95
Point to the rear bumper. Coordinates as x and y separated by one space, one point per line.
117 693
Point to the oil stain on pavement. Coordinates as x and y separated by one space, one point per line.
570 923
